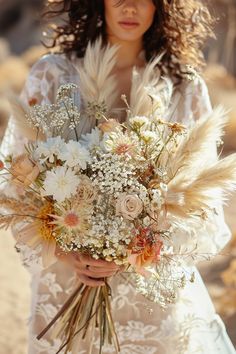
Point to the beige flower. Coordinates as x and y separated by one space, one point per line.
108 126
120 144
41 232
138 122
23 170
71 219
129 206
86 191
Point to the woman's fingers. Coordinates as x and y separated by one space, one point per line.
90 282
99 270
97 275
99 263
79 258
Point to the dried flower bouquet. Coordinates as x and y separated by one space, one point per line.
133 193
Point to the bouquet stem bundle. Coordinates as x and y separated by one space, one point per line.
86 307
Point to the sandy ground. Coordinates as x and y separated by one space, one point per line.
14 299
15 294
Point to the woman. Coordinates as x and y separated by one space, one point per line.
143 29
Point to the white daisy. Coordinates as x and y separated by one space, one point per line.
47 150
75 154
148 136
92 139
138 122
60 183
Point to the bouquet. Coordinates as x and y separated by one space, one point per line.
135 193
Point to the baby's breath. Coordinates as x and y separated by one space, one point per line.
53 119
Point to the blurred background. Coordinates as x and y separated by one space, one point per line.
20 47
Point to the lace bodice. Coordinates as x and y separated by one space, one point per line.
185 327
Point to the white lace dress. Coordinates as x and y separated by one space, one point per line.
187 327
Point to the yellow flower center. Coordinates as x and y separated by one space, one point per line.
46 229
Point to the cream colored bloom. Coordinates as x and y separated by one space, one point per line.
24 171
138 122
74 154
129 206
49 149
119 144
41 233
71 218
86 192
148 136
61 183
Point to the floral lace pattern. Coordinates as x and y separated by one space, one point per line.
187 327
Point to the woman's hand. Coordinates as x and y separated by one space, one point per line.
90 271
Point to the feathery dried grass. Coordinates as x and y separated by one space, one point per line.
15 210
19 205
140 101
7 221
177 210
187 160
221 175
203 191
97 83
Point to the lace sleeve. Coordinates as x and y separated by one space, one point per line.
42 83
39 85
214 234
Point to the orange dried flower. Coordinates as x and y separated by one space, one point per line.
177 127
1 165
145 249
32 101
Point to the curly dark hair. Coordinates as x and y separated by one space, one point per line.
179 29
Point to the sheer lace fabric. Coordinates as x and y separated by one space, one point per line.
187 327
